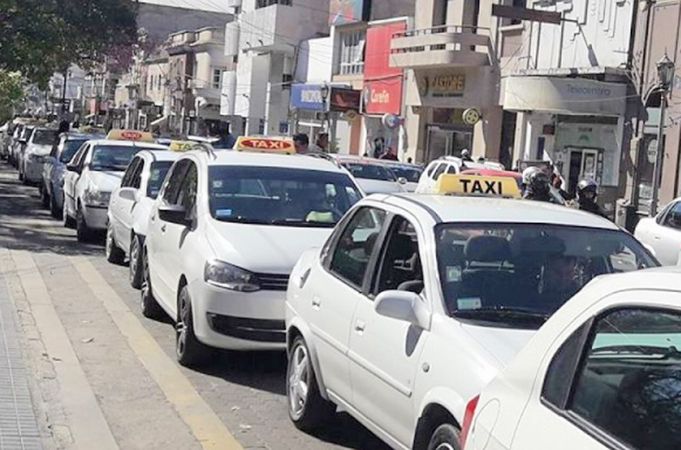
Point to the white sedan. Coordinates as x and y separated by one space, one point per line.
603 373
662 234
130 208
416 302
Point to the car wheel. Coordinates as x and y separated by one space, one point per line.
306 406
83 232
445 437
68 220
114 254
21 174
55 212
189 351
150 307
44 198
135 266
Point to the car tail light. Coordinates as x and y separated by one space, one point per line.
468 419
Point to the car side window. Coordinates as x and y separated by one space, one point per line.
451 169
439 171
673 217
356 244
171 190
55 148
629 380
189 188
77 158
400 266
136 179
129 173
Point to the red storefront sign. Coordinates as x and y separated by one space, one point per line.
382 83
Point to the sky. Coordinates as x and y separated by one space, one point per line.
206 5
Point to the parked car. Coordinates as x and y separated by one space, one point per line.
35 154
417 301
372 175
130 209
92 174
407 174
603 373
19 143
662 234
224 234
54 169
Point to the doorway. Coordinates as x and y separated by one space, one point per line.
447 141
585 163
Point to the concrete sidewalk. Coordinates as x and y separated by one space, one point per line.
18 424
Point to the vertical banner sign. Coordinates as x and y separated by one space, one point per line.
382 83
345 11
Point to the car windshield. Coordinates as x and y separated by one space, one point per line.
276 196
369 171
411 174
44 137
520 274
70 148
159 169
113 157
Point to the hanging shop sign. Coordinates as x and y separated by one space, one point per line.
344 99
383 84
307 97
471 116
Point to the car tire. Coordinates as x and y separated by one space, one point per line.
21 174
114 254
68 221
190 352
44 198
445 437
150 307
55 211
307 408
136 268
83 232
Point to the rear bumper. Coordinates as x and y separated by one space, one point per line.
95 217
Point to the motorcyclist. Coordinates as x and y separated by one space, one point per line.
587 192
537 186
466 155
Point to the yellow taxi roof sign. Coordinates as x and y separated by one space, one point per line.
130 135
181 146
265 144
489 186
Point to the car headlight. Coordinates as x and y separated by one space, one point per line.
227 276
94 197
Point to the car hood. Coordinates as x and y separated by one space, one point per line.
378 186
105 181
39 149
261 248
503 344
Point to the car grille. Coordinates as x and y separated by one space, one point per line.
272 282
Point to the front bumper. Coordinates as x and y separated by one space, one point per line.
237 320
95 217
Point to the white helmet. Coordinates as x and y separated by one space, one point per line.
527 174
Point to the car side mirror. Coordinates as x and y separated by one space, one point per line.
402 180
73 168
405 306
176 214
128 193
23 141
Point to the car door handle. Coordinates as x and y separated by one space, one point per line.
657 238
360 326
163 228
316 303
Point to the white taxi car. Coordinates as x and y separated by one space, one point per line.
130 208
224 235
662 234
93 173
603 373
372 175
416 302
36 153
451 165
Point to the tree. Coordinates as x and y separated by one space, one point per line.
40 37
11 93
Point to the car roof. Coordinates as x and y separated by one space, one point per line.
451 208
493 173
113 143
360 160
231 157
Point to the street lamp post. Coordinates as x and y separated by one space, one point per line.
665 73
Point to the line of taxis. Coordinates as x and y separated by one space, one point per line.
439 321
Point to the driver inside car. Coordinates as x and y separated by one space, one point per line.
558 280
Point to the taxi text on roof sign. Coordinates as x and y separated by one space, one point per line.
130 135
265 145
181 146
478 185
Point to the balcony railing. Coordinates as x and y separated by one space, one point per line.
445 45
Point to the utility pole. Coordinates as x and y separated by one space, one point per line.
665 72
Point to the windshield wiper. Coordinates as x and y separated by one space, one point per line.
649 350
501 312
243 220
304 223
108 167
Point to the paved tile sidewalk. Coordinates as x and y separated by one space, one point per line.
18 424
